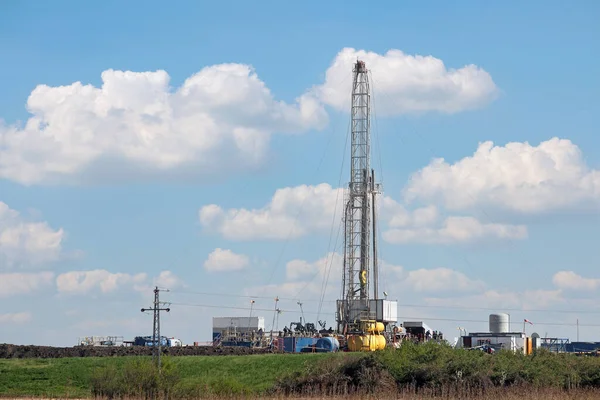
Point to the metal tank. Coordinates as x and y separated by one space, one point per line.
499 323
328 344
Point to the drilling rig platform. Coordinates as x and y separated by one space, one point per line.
363 318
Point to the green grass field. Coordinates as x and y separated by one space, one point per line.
432 369
70 377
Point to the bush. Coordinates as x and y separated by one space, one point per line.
344 375
137 378
439 370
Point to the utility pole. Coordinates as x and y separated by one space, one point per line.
274 316
302 320
249 334
156 349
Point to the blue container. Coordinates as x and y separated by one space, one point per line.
289 344
328 344
303 342
576 347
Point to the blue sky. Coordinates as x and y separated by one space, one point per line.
130 179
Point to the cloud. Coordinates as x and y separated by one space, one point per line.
456 230
219 119
571 281
517 176
441 280
26 243
501 300
14 284
109 324
292 212
307 280
405 83
298 269
16 318
167 279
81 282
225 260
298 211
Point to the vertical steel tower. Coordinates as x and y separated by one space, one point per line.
354 306
156 339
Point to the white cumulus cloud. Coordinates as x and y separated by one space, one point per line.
219 118
330 265
571 280
404 83
81 282
441 280
517 176
313 280
13 284
292 212
168 280
225 260
25 242
455 230
298 211
307 280
502 299
15 318
423 225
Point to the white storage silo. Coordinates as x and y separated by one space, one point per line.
499 323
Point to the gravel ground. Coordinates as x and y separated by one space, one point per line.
14 351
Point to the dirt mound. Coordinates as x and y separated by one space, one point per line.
15 351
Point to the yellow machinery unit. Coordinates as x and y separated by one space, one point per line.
371 340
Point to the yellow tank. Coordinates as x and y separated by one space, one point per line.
352 343
373 327
380 342
363 343
369 326
366 342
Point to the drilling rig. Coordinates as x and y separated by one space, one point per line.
362 317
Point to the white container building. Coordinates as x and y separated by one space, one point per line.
499 337
238 324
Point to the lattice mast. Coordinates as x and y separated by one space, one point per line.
156 339
360 195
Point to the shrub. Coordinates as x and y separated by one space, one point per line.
137 378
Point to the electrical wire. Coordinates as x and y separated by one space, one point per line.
431 306
293 227
403 317
328 268
338 190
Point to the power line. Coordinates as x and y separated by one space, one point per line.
443 307
403 317
300 209
234 295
